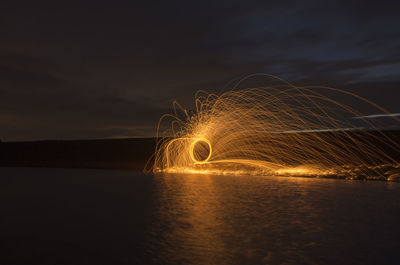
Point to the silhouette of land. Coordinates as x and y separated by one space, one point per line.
129 153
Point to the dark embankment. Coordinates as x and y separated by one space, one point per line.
130 153
133 153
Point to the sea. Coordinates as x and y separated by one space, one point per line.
85 216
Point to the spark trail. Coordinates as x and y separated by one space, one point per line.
274 130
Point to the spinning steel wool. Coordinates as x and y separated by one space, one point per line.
282 130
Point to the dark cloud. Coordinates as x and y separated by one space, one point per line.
89 69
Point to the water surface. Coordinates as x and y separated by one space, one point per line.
75 216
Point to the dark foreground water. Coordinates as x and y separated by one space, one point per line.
75 216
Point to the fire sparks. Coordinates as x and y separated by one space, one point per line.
246 131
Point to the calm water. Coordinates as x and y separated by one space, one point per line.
74 216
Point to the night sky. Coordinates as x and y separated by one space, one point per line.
104 69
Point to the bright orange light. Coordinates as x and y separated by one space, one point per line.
192 150
281 130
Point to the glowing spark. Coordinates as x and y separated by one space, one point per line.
282 130
193 150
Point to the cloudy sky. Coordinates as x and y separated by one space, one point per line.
100 69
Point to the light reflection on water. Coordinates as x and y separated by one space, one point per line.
76 216
274 220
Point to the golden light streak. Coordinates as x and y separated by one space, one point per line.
280 130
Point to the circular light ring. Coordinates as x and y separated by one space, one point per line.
197 140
